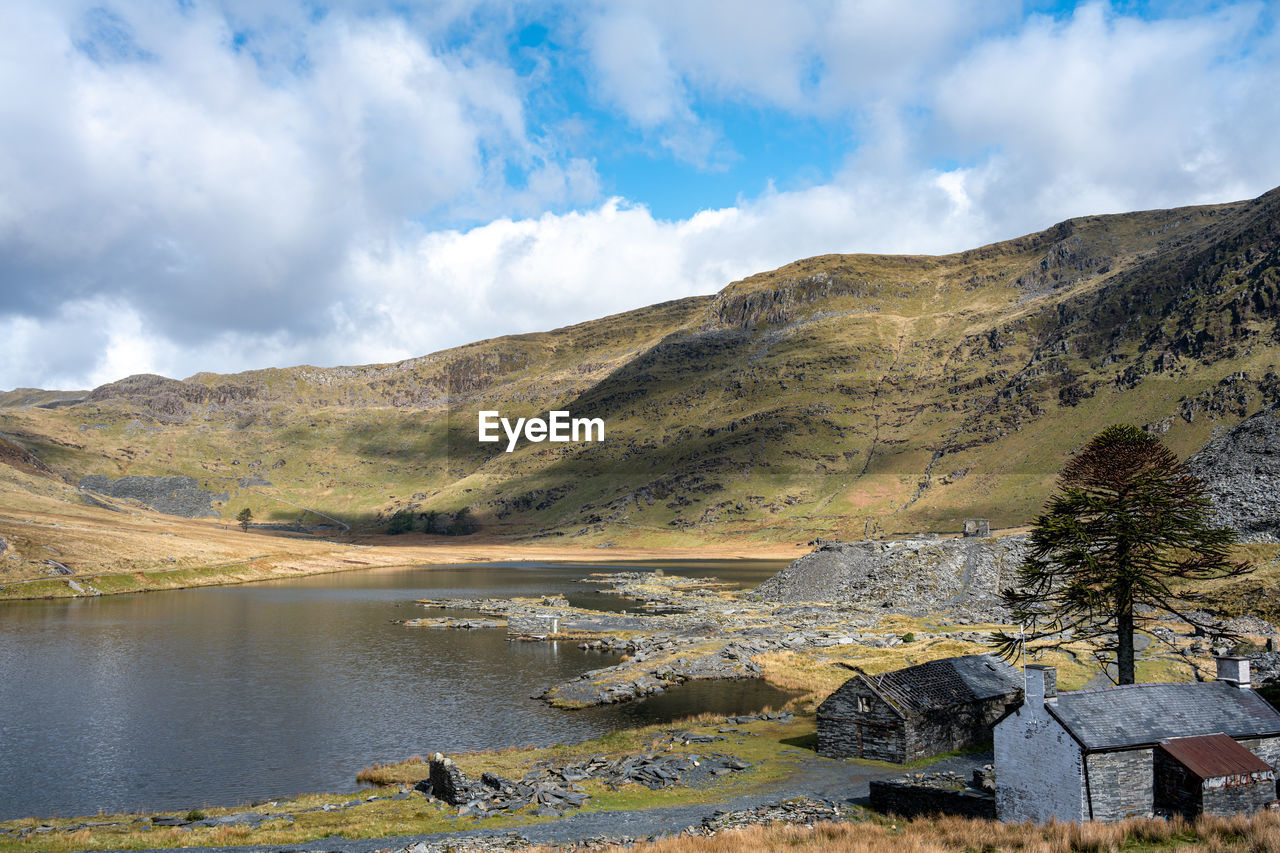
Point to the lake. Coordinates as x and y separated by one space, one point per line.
226 695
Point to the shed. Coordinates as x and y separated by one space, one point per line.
1210 774
919 711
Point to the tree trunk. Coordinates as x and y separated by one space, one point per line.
1124 644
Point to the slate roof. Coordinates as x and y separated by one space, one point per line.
949 682
1214 756
1137 714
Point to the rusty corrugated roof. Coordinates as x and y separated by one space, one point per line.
1212 756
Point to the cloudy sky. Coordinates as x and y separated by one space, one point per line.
195 185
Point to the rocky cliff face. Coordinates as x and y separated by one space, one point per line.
1241 469
908 575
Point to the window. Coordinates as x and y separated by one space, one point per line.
864 704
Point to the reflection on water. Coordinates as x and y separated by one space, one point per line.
172 700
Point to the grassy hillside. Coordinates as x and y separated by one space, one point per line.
844 394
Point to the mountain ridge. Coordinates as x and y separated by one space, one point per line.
836 395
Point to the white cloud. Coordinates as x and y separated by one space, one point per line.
819 57
187 189
634 70
1100 113
536 274
149 164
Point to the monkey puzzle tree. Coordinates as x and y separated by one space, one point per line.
1121 543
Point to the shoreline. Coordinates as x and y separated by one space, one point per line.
777 755
370 552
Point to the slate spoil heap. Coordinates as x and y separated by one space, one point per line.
1241 471
551 789
917 576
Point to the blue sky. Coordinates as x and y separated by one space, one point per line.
190 185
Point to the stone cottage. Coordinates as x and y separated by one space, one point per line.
920 711
1136 750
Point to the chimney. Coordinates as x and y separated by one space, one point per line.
1234 670
1041 684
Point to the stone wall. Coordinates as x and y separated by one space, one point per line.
1180 792
1175 790
447 780
1120 784
1223 800
845 731
955 728
1266 748
911 800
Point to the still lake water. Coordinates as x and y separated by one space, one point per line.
225 695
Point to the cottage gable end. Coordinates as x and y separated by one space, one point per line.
1039 765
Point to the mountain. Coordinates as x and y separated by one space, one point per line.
843 395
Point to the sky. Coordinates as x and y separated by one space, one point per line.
190 185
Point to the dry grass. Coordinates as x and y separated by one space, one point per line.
140 550
816 673
410 770
961 835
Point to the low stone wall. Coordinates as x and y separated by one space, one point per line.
908 800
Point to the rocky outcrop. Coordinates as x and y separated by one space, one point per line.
172 495
551 788
1241 470
907 575
654 667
